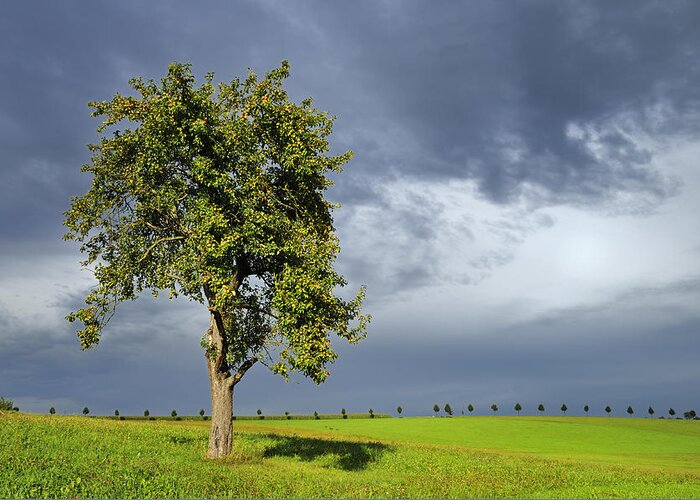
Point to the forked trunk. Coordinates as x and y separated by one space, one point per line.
221 431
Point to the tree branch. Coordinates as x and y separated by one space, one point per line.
241 371
155 243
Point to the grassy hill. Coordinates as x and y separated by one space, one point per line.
43 456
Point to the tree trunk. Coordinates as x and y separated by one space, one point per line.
221 431
221 389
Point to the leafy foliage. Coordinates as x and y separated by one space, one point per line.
448 409
494 407
470 408
563 409
6 404
517 408
217 194
86 410
436 408
540 407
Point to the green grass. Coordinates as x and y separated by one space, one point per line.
43 456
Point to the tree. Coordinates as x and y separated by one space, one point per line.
86 410
286 414
671 412
517 408
260 415
470 408
173 413
52 410
448 409
342 411
399 410
630 410
608 410
540 408
436 409
5 404
650 411
201 412
116 413
494 407
563 409
585 409
217 194
371 413
689 415
146 413
316 415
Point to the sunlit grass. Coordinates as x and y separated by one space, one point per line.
44 456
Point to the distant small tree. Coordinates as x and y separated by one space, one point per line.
173 413
286 414
517 408
585 409
399 410
260 415
16 408
86 410
52 410
540 408
116 413
316 415
630 410
5 404
342 411
146 413
494 407
371 413
448 409
201 412
470 408
689 415
671 412
563 409
608 410
650 411
436 409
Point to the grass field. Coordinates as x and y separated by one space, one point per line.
43 456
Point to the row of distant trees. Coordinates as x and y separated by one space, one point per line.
7 405
518 408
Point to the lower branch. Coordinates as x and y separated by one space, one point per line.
241 371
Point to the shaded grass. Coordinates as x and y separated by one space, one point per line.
45 456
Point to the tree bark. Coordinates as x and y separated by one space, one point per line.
221 431
221 389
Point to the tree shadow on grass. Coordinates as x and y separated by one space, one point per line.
345 455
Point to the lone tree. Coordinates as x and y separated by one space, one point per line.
436 409
470 408
146 413
86 410
173 413
259 412
52 410
448 409
517 408
343 412
563 409
585 409
650 411
217 194
630 410
201 412
116 413
608 410
399 410
672 412
494 407
540 408
371 413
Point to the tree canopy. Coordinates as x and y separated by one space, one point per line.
217 194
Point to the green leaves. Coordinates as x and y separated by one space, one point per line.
217 193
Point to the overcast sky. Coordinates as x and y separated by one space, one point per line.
523 205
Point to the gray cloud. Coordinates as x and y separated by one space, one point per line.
536 106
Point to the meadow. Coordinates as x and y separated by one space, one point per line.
585 457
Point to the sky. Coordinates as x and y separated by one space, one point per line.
523 204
